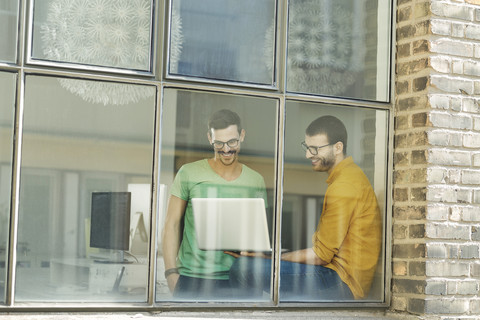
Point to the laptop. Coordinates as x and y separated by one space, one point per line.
231 224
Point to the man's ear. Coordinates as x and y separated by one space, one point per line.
209 136
338 148
242 135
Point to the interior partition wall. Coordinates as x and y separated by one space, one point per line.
105 104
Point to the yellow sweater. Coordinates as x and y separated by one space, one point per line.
348 235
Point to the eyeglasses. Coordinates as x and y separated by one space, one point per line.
231 143
313 149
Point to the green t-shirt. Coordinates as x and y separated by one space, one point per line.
199 180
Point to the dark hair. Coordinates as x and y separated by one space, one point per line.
330 126
224 118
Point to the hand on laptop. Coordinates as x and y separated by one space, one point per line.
238 254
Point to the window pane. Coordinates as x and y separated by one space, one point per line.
334 204
85 193
8 30
94 32
7 109
339 48
192 168
223 40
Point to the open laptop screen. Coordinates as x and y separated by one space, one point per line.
231 224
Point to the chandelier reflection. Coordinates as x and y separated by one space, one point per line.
326 45
108 33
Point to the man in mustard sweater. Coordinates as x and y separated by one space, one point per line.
341 263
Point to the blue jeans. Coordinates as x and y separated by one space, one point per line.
190 288
250 277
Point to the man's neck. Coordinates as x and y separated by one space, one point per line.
338 159
227 172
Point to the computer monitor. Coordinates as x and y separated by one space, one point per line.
110 223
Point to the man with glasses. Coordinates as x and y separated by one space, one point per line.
341 263
192 273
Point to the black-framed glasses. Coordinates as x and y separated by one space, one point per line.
232 143
313 149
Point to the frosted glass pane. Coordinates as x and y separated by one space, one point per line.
94 32
8 30
339 48
223 40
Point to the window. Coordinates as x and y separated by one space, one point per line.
7 109
338 48
8 30
186 149
73 149
307 201
124 117
223 40
98 33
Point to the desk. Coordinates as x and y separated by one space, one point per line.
98 277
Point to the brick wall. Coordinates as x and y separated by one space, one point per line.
436 223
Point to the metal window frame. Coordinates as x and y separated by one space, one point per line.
26 66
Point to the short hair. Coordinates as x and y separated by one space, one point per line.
330 126
224 118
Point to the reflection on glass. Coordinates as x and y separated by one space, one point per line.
338 48
7 107
94 32
217 164
85 197
8 30
223 40
334 203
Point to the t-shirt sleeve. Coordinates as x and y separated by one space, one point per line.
341 201
179 186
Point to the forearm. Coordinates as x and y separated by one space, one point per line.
171 239
305 256
171 245
172 231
